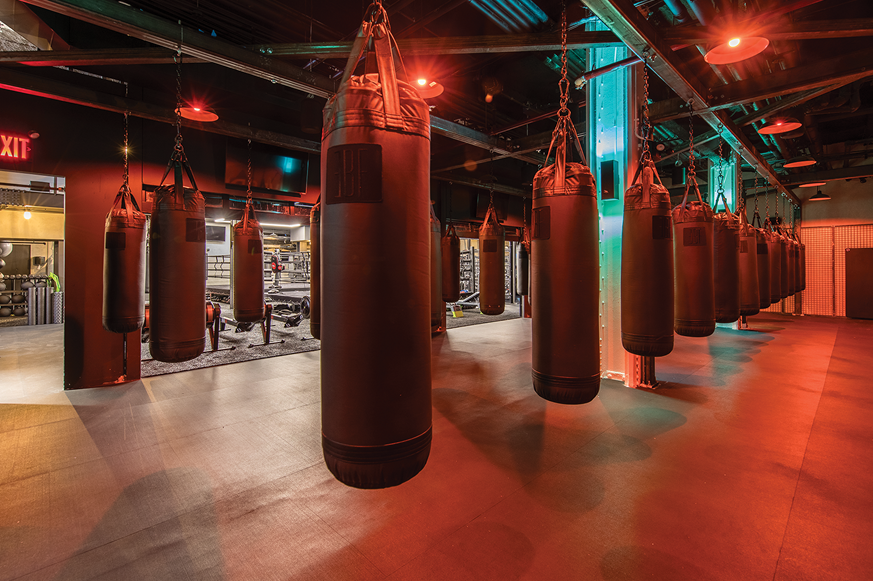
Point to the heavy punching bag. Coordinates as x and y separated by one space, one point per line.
762 238
774 242
177 267
565 271
796 271
792 257
437 306
315 270
248 268
375 174
647 268
783 263
726 265
492 264
802 266
450 254
124 265
694 297
750 301
522 266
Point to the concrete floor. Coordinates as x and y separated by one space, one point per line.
753 461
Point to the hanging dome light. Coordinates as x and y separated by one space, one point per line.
201 114
736 49
780 125
428 89
811 185
800 161
819 197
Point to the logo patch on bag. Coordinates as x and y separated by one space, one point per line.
354 174
489 245
542 223
661 228
744 246
694 237
195 230
116 240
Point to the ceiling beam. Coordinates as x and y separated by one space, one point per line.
640 35
814 29
845 173
81 58
505 43
478 139
126 20
844 69
471 181
13 80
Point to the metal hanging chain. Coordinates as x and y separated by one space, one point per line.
249 175
756 188
126 144
646 157
692 173
720 177
177 58
564 83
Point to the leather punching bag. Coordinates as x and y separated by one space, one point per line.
775 244
437 306
177 269
694 297
803 267
492 265
762 238
124 265
315 270
565 285
783 264
450 254
750 302
522 268
792 257
647 269
726 266
375 174
248 269
797 284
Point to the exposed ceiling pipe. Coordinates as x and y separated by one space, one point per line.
702 10
678 10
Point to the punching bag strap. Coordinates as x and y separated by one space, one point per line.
491 215
388 77
358 48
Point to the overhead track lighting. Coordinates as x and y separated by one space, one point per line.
780 125
800 161
736 49
819 197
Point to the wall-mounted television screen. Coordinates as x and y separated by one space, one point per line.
273 169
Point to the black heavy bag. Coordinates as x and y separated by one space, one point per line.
375 165
694 297
775 244
492 265
177 268
450 254
437 306
803 267
797 282
783 264
792 263
726 266
750 301
315 270
647 268
565 284
762 238
124 265
522 267
248 268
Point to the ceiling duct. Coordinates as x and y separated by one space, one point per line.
512 15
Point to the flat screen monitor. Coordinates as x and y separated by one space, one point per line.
273 169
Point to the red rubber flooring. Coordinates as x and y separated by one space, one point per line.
752 461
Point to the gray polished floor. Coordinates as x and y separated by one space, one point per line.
753 461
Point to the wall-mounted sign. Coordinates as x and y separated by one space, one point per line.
12 146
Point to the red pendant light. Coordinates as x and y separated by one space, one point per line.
427 88
780 125
201 114
736 49
811 185
801 161
819 197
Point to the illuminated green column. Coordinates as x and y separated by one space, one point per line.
612 148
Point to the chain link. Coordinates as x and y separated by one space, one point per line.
249 175
177 58
720 177
646 157
564 83
126 143
692 173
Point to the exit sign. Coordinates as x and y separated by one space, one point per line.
12 146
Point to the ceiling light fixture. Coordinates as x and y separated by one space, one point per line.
201 114
428 89
780 125
819 197
736 49
811 185
27 214
800 161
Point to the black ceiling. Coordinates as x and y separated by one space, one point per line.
818 62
